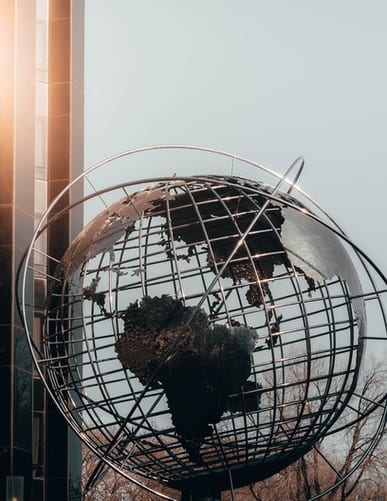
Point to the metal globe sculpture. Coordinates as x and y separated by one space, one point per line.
205 330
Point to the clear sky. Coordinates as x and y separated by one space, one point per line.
268 80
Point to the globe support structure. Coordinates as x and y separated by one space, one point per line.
246 294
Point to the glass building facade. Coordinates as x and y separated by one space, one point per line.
41 149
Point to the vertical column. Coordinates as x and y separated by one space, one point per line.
58 169
40 261
24 153
17 32
64 161
7 34
76 168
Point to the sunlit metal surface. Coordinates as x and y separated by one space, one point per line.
255 255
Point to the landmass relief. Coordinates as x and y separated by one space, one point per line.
199 366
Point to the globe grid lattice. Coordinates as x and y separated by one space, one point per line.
206 326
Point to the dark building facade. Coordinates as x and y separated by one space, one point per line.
41 149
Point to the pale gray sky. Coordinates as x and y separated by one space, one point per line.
268 80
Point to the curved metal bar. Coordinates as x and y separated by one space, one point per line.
373 443
301 161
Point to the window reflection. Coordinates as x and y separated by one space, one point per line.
42 9
41 40
22 408
40 251
41 142
40 196
38 444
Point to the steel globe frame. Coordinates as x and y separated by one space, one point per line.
376 279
